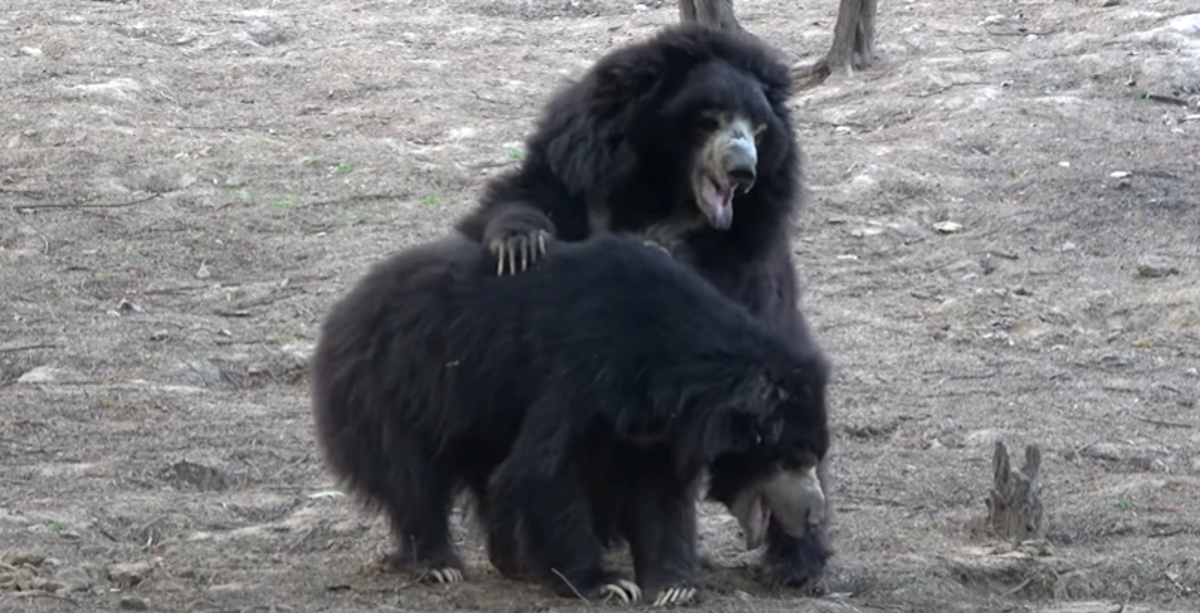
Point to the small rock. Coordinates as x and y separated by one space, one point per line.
1116 359
50 585
40 374
1106 3
31 51
203 272
1154 266
266 33
1120 174
204 478
947 227
325 494
23 558
1067 246
129 574
126 305
74 579
1065 164
121 89
966 270
133 603
1186 24
158 180
866 231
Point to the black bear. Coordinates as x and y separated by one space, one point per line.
684 138
578 403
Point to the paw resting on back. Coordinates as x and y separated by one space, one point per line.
518 240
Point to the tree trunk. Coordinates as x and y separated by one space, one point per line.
854 36
853 45
716 13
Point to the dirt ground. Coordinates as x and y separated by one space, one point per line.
186 186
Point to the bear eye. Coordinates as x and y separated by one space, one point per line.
708 123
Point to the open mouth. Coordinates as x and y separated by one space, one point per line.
754 516
716 200
792 498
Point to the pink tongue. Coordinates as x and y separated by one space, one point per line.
720 204
759 517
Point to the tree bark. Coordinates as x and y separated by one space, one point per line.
854 36
715 13
853 45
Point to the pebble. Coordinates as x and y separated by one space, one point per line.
129 574
133 603
947 227
1154 266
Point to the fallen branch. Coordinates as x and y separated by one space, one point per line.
1165 99
85 205
1165 424
20 348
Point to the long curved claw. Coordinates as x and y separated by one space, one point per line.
627 591
446 575
524 249
678 595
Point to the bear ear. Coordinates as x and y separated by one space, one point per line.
619 85
628 78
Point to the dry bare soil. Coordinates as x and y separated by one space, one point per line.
187 185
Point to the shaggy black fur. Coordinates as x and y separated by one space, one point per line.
616 152
605 380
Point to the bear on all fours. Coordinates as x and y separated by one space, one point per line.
578 403
684 138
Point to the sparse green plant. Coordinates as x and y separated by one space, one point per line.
430 201
1125 503
344 168
284 203
239 193
516 154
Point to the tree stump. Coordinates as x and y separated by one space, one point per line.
713 13
1015 508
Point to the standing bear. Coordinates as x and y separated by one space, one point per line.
684 138
578 403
